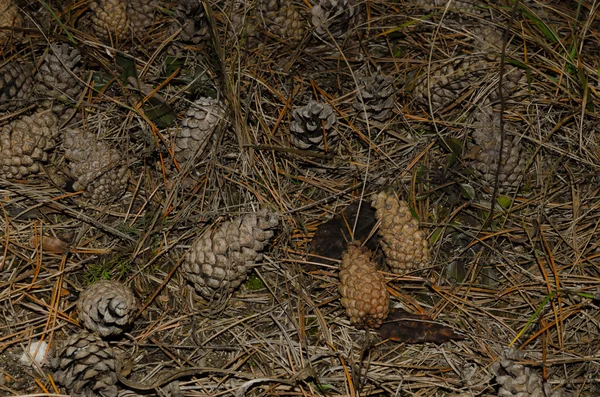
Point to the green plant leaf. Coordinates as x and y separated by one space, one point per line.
467 191
504 201
159 112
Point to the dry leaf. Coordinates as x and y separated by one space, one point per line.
405 327
50 244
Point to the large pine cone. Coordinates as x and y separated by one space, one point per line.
98 169
310 124
362 287
85 366
334 17
284 21
10 17
24 144
404 245
109 19
16 84
140 14
107 307
486 154
378 97
199 123
55 76
218 262
517 380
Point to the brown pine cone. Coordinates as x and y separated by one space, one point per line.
309 125
107 307
189 16
24 144
404 245
16 84
56 76
10 17
140 14
109 19
363 289
284 21
85 366
334 17
378 97
199 123
98 169
218 263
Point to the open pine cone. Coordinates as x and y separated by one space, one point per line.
24 144
189 15
199 123
378 97
334 17
107 307
218 263
85 366
98 169
109 19
55 77
310 124
16 84
362 287
404 245
10 17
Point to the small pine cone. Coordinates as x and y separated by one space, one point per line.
309 125
189 15
362 287
284 21
334 17
404 245
107 307
199 123
447 83
24 144
109 19
55 76
140 14
486 154
517 380
10 17
379 96
218 262
98 170
85 366
16 85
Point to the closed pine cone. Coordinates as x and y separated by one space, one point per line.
55 76
283 20
140 14
24 144
16 84
109 19
107 307
378 97
487 152
98 169
10 17
404 245
310 124
517 380
85 366
199 123
218 263
362 287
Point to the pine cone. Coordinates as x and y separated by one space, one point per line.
487 40
447 82
189 15
218 263
379 96
10 17
140 14
517 380
24 144
99 170
487 138
335 17
107 307
55 76
109 19
284 22
404 245
310 123
16 84
362 287
85 366
199 123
